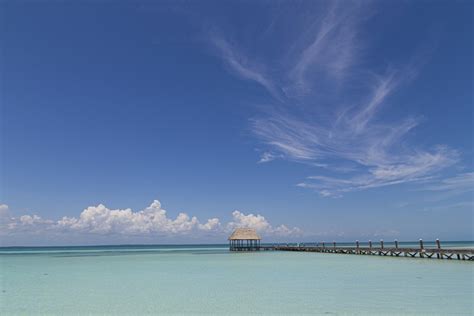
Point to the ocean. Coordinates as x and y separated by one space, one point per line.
208 279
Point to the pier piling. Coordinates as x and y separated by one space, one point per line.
439 255
421 248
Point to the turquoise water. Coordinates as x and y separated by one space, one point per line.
131 280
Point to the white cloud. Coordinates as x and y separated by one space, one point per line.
259 223
331 47
329 115
267 157
463 182
210 225
33 220
377 151
450 207
242 67
151 221
4 212
448 187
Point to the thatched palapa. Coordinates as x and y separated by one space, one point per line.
244 239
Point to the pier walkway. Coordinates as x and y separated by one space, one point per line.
459 254
379 250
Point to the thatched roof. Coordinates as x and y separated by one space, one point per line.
244 234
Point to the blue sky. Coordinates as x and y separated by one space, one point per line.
308 120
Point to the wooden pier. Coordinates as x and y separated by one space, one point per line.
247 239
396 251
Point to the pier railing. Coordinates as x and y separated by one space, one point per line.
381 249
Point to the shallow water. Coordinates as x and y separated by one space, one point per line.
134 280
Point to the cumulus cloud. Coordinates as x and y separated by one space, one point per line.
33 220
210 225
151 221
259 223
326 108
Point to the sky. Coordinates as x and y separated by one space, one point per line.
177 121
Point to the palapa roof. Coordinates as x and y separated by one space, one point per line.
244 234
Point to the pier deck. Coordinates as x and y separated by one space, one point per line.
411 252
430 253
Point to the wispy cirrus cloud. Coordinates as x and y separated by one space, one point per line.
450 207
267 157
239 64
327 110
329 47
452 186
460 183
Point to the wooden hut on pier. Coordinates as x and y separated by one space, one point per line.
244 239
